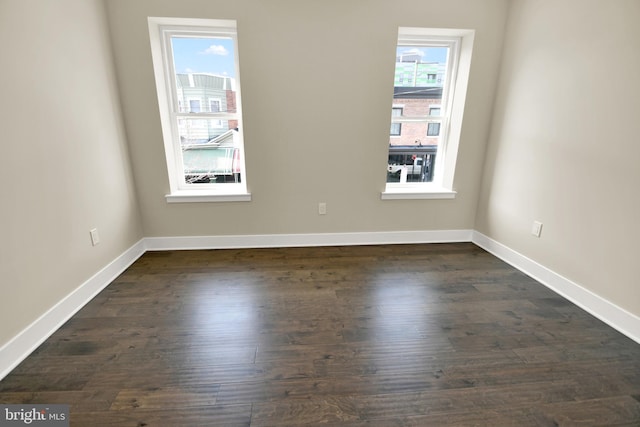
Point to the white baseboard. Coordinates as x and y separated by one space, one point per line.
23 344
300 240
616 317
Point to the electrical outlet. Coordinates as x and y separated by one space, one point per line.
536 229
95 237
322 208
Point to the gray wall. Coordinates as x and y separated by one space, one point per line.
317 87
564 147
64 166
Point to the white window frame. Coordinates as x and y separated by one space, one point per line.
460 42
160 32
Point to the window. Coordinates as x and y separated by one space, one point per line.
396 127
200 111
433 129
194 105
215 107
423 152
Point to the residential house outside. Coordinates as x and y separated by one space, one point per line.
199 93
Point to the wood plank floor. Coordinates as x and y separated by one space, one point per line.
402 335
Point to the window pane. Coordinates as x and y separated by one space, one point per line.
205 83
419 81
206 164
209 154
201 131
410 166
205 74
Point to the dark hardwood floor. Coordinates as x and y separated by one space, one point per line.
402 335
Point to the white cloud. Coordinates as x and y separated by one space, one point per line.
216 50
413 51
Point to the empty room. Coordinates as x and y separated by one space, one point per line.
303 212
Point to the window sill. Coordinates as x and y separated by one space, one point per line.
204 197
417 193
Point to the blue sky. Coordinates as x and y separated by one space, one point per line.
203 55
215 55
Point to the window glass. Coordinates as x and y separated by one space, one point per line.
419 84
